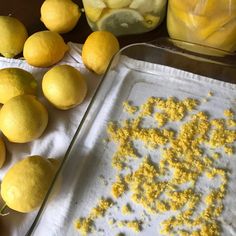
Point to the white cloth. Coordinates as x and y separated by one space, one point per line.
81 186
54 141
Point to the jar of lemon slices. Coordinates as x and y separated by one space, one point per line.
122 17
206 22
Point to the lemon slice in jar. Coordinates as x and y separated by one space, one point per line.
144 6
92 13
95 3
150 21
118 3
93 9
121 21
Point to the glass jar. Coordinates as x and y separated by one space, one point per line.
207 22
122 17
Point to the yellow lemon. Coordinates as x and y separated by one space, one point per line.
2 152
184 5
60 15
14 82
64 86
26 183
93 13
98 49
143 6
23 118
44 48
118 3
12 36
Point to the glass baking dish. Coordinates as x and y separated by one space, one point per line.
87 160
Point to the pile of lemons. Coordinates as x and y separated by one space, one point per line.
23 115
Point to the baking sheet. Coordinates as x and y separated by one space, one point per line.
89 162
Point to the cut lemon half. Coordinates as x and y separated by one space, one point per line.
121 21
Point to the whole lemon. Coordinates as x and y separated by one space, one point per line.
44 48
2 152
60 16
14 82
23 119
12 36
64 86
26 183
98 49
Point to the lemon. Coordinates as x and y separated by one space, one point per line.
143 6
92 13
14 82
26 183
93 9
118 3
60 16
98 49
64 86
121 21
23 118
150 6
2 152
44 48
184 5
12 36
207 24
95 3
224 38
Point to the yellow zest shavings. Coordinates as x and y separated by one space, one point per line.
100 209
134 225
216 155
231 123
146 109
228 113
124 135
170 182
129 108
84 225
173 109
118 187
222 137
126 209
210 94
111 221
161 119
184 158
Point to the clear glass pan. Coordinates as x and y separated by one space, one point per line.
86 156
